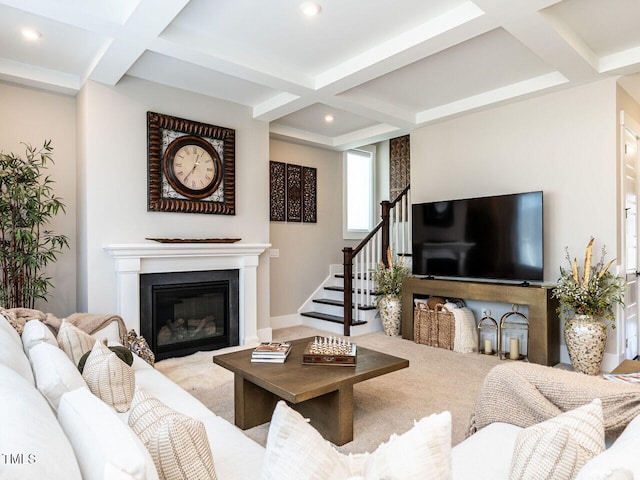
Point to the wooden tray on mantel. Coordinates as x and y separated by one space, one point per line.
194 240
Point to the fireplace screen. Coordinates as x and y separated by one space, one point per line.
189 312
182 313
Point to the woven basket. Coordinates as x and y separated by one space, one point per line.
435 328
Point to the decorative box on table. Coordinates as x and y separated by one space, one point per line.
330 351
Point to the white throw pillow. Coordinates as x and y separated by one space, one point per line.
295 450
102 443
177 443
30 432
624 454
12 355
559 447
422 453
109 378
74 341
54 372
35 332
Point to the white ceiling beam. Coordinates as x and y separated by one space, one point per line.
169 47
375 109
484 99
407 40
39 77
358 138
620 60
557 44
367 136
279 106
146 23
301 135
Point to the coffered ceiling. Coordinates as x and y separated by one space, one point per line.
380 68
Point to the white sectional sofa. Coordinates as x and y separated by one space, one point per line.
82 440
52 427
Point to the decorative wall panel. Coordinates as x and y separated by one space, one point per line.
399 166
293 193
309 182
277 202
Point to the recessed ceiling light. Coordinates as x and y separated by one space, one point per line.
30 34
310 9
329 118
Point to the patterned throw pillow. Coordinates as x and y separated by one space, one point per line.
139 346
123 354
559 447
74 341
109 378
177 443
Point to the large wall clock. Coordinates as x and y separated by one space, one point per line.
191 166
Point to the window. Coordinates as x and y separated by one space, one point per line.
359 192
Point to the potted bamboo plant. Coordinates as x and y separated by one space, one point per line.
388 280
588 298
27 205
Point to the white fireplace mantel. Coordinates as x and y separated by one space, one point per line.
133 259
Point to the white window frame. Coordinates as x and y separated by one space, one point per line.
359 234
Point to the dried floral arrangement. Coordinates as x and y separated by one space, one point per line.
594 291
389 277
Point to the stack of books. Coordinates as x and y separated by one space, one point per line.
271 352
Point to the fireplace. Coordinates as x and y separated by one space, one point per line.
133 260
184 312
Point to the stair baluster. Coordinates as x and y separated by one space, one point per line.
392 231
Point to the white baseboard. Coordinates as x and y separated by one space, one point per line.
285 321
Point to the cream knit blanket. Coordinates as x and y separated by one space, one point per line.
88 322
524 394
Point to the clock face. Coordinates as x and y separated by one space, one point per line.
192 167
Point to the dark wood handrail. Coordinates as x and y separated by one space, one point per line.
386 208
348 253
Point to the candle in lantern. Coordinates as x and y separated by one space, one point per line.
514 353
488 348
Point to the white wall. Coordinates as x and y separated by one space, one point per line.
307 249
112 169
33 116
563 143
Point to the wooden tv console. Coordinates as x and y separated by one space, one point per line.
544 326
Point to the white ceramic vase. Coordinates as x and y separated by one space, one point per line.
389 307
586 339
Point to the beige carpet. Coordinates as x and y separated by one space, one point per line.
436 380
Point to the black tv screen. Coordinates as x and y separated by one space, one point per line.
496 238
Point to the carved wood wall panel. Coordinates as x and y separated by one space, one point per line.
293 193
399 165
309 195
277 201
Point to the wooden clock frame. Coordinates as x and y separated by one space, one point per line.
157 124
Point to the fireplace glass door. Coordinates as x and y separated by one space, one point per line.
183 313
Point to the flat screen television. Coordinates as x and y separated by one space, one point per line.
494 238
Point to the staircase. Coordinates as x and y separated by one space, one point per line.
325 308
350 310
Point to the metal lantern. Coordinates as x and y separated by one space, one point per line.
488 334
514 337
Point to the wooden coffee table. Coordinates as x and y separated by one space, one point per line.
322 393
